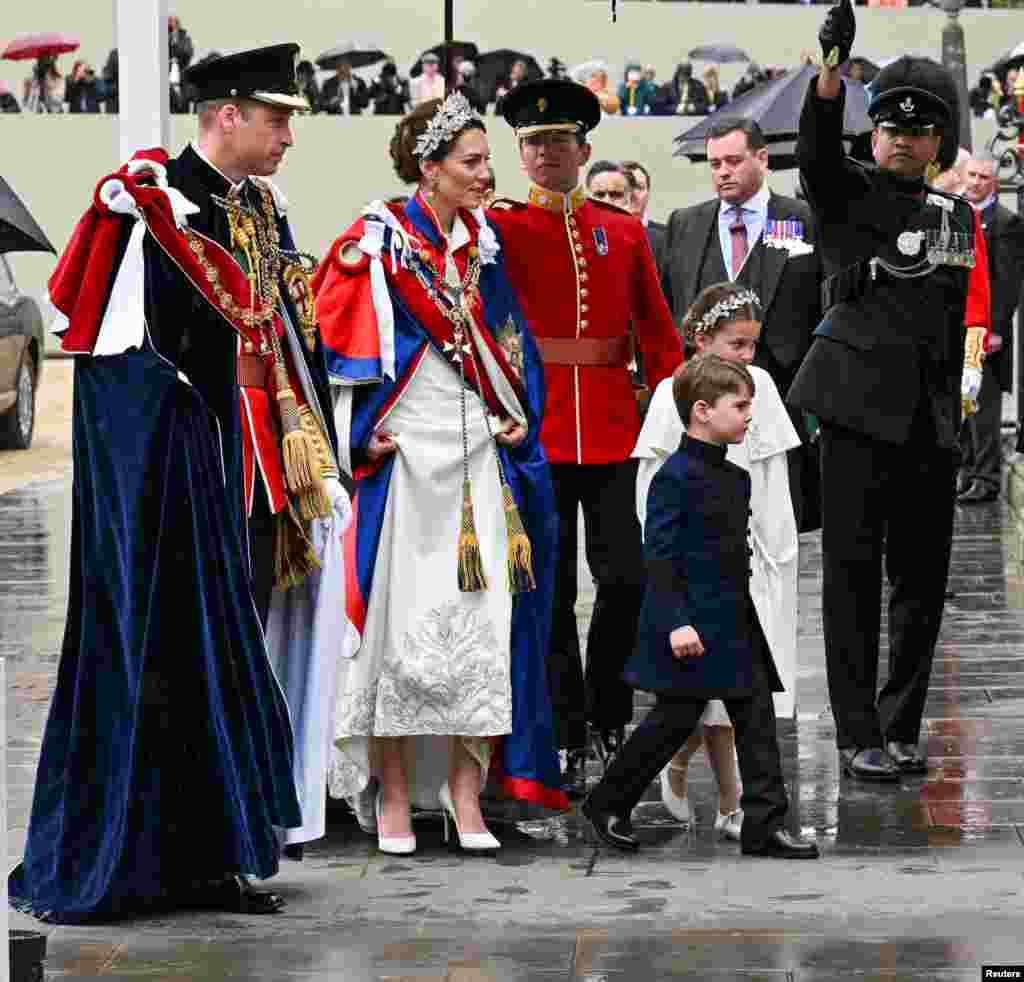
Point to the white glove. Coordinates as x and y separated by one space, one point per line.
970 386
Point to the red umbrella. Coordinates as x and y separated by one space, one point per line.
26 46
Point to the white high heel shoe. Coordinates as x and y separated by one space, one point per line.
394 845
730 826
469 841
678 807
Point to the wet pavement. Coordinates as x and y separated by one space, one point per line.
920 880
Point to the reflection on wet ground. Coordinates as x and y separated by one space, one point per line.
920 880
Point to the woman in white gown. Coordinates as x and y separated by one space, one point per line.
724 320
439 395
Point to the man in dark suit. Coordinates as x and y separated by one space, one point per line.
758 238
641 197
980 477
345 94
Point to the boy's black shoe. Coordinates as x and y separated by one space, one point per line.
612 830
782 845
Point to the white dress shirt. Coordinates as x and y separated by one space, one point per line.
755 217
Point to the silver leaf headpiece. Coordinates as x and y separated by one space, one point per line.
745 298
450 120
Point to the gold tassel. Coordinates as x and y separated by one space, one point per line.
294 555
471 567
520 552
301 466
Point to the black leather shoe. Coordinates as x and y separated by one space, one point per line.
612 830
234 894
907 757
782 845
870 764
978 494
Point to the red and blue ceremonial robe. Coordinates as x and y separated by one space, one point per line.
389 347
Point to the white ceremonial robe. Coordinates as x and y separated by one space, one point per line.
773 532
308 634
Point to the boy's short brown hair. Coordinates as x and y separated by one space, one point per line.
706 378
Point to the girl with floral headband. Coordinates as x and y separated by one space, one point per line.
439 395
725 320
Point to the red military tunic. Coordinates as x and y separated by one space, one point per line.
586 277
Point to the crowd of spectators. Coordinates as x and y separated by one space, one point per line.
685 93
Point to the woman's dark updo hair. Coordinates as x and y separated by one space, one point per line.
409 130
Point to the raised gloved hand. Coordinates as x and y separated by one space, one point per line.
970 384
837 34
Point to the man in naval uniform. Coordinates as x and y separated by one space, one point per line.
586 277
905 272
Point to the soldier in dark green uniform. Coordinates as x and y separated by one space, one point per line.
885 377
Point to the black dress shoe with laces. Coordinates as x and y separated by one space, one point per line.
612 830
907 757
236 895
869 764
782 845
978 494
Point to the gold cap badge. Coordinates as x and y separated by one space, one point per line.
542 104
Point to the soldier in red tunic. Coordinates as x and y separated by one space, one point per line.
586 278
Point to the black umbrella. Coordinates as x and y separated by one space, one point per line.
447 51
357 56
19 231
492 66
775 106
723 54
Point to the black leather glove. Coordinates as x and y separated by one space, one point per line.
837 34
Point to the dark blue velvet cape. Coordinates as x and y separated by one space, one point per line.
167 754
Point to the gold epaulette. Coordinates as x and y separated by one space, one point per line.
506 204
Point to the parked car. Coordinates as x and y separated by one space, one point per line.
22 344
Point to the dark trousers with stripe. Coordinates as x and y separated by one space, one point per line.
607 495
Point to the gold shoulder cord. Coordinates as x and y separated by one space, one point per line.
257 238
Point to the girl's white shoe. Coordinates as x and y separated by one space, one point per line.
728 826
678 807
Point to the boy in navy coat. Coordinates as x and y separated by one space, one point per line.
699 637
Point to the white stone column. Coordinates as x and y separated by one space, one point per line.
143 75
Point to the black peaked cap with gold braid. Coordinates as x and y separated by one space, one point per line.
262 74
549 105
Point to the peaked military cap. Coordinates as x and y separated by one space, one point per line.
551 104
918 92
263 74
